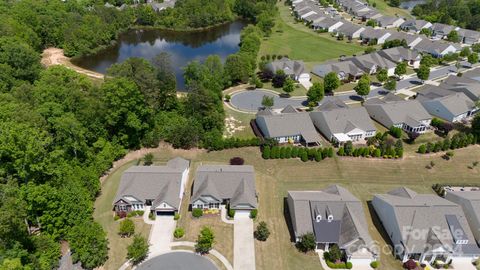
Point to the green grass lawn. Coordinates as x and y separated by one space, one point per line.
298 91
384 8
238 123
299 42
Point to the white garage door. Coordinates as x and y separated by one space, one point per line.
242 213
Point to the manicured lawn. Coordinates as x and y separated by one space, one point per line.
299 42
298 91
384 8
238 123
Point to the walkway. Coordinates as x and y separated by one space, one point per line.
161 235
243 244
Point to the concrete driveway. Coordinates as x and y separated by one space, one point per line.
161 235
244 246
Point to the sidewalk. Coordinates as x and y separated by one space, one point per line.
243 244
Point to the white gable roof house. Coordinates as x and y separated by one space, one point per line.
159 187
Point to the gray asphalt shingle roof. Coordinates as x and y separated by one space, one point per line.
390 113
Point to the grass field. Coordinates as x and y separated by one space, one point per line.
363 177
384 8
299 42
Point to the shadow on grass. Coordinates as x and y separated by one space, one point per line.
378 225
286 215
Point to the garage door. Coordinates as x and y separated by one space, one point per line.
242 213
165 213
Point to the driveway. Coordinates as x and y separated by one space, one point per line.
244 246
161 235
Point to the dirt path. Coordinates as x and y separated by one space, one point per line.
55 56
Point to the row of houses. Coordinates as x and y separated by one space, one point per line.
422 227
161 188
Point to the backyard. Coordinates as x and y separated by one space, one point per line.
363 177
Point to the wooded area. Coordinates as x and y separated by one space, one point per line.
463 13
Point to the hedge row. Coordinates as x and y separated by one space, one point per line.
220 144
372 152
303 153
458 140
342 265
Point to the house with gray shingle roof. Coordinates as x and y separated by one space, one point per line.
292 68
345 70
415 25
425 227
411 39
232 185
470 203
340 123
440 30
436 48
372 62
288 126
469 36
328 24
379 35
389 21
445 104
468 86
334 216
401 54
158 187
408 115
349 30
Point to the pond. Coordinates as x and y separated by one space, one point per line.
411 4
183 47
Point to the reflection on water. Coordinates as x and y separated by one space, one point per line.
182 46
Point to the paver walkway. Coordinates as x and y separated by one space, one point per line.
243 244
161 235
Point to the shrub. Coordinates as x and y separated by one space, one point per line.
197 212
306 243
205 241
422 149
131 214
237 161
304 156
140 212
138 250
228 97
148 159
374 264
127 228
116 217
396 132
179 233
341 151
176 216
266 152
151 216
231 213
253 213
348 265
262 233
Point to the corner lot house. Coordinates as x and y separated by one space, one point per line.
334 216
340 123
292 68
288 126
470 203
408 115
401 54
425 227
159 188
216 185
346 70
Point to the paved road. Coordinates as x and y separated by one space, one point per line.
161 235
243 244
251 101
178 261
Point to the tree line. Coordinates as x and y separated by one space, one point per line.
463 13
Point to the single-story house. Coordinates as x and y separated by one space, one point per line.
334 216
328 24
470 203
368 14
441 30
445 104
389 21
411 39
380 35
415 25
288 126
408 115
345 70
372 62
425 227
349 30
162 6
160 187
230 185
295 69
464 84
340 123
469 36
401 54
437 48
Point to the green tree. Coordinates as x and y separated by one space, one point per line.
167 93
423 72
473 58
262 232
267 102
306 243
331 82
88 244
127 228
465 52
453 36
47 251
476 126
205 240
382 75
288 86
21 58
363 86
316 92
371 23
335 253
238 68
426 31
391 85
401 69
137 251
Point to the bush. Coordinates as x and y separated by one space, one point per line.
231 213
374 264
116 217
205 241
349 265
148 159
306 243
253 213
176 216
151 216
178 233
262 233
422 149
140 213
237 161
131 214
197 212
396 132
266 152
138 250
304 156
127 228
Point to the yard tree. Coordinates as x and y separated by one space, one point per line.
363 86
473 58
307 242
262 232
88 244
371 23
426 31
289 86
401 69
238 68
331 82
335 253
428 60
391 84
423 72
205 241
316 92
127 228
137 251
267 102
279 79
382 75
465 52
453 36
